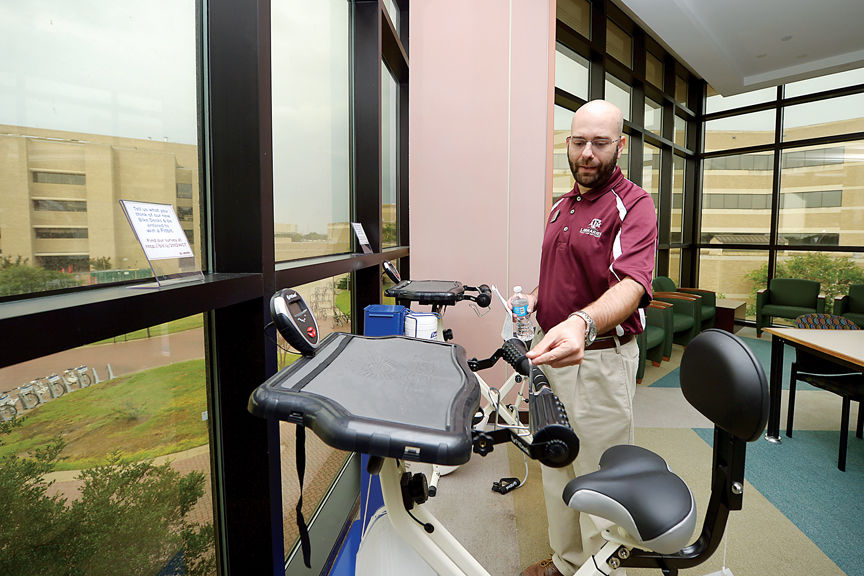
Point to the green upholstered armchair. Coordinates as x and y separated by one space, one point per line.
787 298
851 305
708 303
655 342
685 314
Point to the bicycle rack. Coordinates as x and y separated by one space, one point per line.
26 392
56 386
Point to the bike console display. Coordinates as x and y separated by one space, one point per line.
294 320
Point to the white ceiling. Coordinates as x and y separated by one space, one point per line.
742 45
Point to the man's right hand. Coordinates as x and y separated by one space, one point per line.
563 345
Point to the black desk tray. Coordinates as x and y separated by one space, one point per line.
390 396
443 292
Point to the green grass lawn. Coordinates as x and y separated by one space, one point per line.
188 323
147 414
342 300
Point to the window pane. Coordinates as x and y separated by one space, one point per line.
619 45
675 265
751 129
571 72
624 158
736 201
734 274
654 70
820 195
680 90
576 14
619 93
562 178
677 226
651 173
653 115
393 12
86 123
330 301
389 158
715 102
387 283
830 82
311 128
824 118
834 271
680 131
123 430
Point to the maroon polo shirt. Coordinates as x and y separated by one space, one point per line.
592 242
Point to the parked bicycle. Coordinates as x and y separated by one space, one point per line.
79 375
8 409
31 395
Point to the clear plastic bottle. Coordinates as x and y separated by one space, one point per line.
524 328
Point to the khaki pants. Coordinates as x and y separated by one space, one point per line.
598 396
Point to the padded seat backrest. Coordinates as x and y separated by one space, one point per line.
810 363
663 284
856 298
725 382
794 292
824 322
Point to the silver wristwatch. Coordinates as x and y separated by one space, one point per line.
590 327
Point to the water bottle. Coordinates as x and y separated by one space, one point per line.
524 328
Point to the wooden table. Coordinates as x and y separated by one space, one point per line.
844 347
727 312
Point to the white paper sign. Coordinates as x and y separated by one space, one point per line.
361 237
158 230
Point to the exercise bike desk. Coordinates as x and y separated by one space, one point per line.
393 397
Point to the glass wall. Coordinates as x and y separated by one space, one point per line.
126 445
658 119
84 124
816 193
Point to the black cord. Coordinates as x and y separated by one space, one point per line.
276 342
426 526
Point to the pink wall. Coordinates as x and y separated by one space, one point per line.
465 225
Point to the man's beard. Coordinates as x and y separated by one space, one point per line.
597 178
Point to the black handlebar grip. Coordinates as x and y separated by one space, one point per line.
484 299
555 443
513 351
538 378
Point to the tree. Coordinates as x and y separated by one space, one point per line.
131 518
18 277
834 274
100 263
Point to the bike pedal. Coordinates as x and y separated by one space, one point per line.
505 485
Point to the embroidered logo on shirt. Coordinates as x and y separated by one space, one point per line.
593 228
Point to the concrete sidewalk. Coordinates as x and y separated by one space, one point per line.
124 358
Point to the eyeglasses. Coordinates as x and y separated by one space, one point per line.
598 144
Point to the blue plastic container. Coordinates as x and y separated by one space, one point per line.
384 320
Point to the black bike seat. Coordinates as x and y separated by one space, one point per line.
635 489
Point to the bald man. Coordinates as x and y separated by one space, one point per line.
595 280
